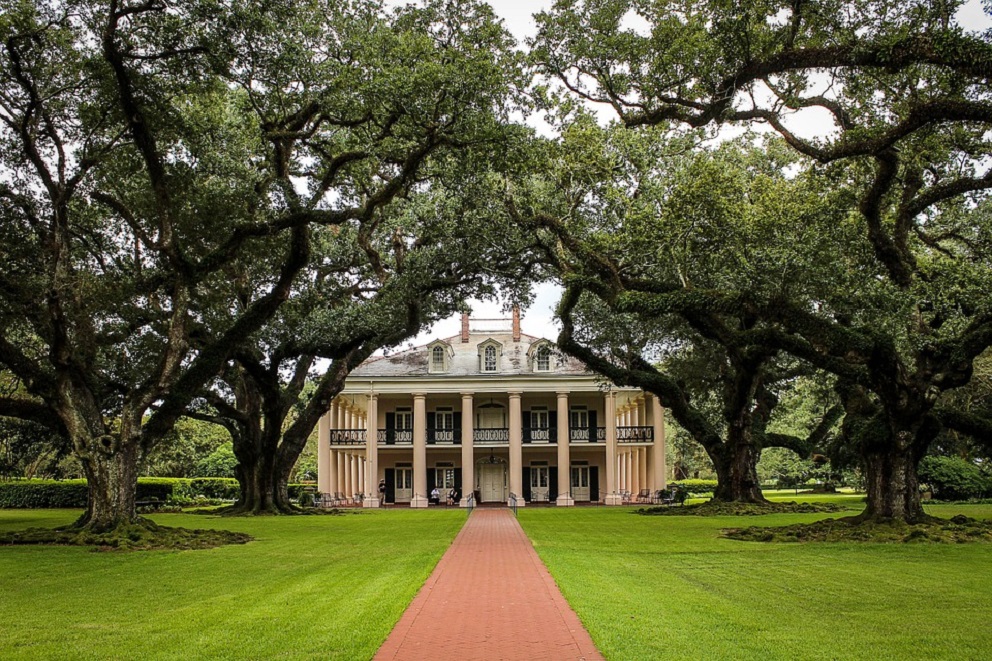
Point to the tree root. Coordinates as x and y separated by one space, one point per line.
718 508
957 530
142 535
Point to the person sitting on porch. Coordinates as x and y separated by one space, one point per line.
453 496
435 498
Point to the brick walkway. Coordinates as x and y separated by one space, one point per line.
490 597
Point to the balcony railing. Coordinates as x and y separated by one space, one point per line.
498 436
348 437
584 434
635 434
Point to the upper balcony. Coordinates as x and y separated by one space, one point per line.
493 436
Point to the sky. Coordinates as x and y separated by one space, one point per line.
538 318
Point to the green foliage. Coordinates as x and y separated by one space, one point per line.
694 486
953 478
192 449
22 494
219 463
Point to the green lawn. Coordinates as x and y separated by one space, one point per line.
318 587
670 588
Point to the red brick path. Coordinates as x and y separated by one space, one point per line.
490 597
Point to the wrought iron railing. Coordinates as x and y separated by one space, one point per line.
498 435
348 437
395 437
540 434
444 436
582 434
635 434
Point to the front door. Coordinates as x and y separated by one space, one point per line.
580 483
404 485
492 483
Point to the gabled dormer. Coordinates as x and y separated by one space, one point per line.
439 355
490 356
540 356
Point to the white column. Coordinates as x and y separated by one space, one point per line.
334 484
564 467
324 453
339 460
419 451
642 465
372 452
516 448
349 490
355 484
342 408
610 466
657 470
468 450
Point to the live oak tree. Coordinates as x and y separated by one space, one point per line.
149 150
901 95
444 83
657 219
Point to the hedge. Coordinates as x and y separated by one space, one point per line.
694 487
22 494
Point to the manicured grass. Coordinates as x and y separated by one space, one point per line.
312 587
670 588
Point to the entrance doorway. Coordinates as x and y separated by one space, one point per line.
580 483
492 482
404 485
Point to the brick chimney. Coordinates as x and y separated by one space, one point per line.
516 323
464 327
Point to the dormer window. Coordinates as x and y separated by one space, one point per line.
489 355
540 356
438 357
542 361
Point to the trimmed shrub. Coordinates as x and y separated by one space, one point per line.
25 494
694 487
953 478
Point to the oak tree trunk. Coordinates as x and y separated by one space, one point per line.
892 482
111 483
737 474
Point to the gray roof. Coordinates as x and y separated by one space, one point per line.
463 359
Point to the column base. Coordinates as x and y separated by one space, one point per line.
614 499
520 503
419 502
371 502
463 503
565 501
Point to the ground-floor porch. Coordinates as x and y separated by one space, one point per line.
488 475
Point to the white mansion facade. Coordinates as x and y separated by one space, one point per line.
491 412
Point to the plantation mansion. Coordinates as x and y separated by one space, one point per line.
491 412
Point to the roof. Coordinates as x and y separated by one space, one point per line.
463 359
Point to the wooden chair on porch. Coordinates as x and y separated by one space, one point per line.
644 496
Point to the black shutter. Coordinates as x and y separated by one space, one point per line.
431 426
431 481
390 428
526 427
594 483
526 483
553 426
593 428
553 483
457 432
458 482
390 485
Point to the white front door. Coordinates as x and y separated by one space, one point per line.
404 485
580 483
539 484
492 483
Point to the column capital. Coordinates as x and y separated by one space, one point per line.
419 395
468 395
562 393
514 394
